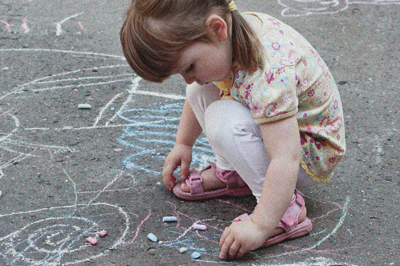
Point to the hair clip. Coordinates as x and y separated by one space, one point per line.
232 6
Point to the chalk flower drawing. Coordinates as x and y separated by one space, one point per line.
296 8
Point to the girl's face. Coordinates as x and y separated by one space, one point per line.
204 63
208 62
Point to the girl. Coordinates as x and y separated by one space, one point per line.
264 98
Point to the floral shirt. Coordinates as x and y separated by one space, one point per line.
294 82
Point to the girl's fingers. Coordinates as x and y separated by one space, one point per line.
168 177
233 250
223 236
185 170
241 252
226 247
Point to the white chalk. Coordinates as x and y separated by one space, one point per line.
91 240
84 106
200 227
169 219
152 237
183 250
195 255
103 233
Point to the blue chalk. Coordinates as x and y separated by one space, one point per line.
152 237
168 219
195 255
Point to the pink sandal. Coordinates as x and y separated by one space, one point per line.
235 186
289 222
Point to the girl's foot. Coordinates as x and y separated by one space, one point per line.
210 182
278 230
293 224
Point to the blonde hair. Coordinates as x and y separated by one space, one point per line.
155 32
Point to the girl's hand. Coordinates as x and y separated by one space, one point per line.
240 238
181 155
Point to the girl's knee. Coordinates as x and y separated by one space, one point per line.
225 121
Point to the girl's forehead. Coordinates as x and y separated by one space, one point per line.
185 56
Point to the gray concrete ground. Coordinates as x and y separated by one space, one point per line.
66 173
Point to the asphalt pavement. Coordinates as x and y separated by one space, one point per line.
68 172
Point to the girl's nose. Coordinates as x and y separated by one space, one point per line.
189 80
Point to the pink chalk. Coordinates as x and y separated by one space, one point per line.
102 233
91 240
200 227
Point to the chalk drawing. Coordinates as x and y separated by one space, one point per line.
57 235
7 26
317 261
24 25
59 238
296 8
59 30
154 134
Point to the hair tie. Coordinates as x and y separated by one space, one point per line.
232 6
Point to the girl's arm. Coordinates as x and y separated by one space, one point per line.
282 142
189 128
181 155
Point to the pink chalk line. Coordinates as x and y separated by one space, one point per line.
237 206
7 26
190 229
137 231
51 155
81 26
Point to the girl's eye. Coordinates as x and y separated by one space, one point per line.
190 68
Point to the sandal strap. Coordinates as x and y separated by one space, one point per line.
290 219
195 182
230 178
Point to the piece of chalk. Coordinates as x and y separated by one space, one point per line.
84 106
152 237
91 240
103 233
183 250
195 255
200 227
169 219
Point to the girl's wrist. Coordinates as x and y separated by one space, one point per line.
262 221
182 143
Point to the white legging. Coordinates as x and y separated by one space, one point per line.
234 136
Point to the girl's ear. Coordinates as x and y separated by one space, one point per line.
218 27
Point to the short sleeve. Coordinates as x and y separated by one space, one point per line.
274 96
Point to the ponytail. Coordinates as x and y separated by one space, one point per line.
247 48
